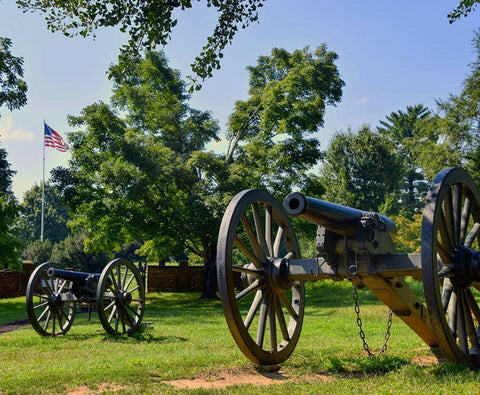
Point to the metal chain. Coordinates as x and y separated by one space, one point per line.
362 333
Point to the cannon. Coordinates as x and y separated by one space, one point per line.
261 273
118 294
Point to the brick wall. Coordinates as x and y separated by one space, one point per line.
14 283
182 278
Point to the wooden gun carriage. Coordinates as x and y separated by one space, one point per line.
118 294
264 308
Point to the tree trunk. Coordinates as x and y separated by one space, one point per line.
209 272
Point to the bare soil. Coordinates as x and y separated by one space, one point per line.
84 390
13 326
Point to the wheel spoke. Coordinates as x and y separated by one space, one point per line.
281 320
288 306
289 255
262 320
253 309
241 269
473 304
257 219
41 296
128 318
129 281
53 321
47 309
134 289
119 275
253 239
114 282
444 233
457 210
444 255
61 287
278 240
252 287
271 323
117 318
452 313
467 207
124 277
446 293
110 305
47 321
461 332
65 315
40 305
450 223
250 256
133 311
268 229
112 314
472 235
469 325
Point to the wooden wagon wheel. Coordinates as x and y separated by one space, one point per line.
51 306
120 298
256 240
450 264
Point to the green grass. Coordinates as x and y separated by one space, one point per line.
189 338
12 310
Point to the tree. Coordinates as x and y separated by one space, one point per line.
360 170
463 9
9 243
13 89
70 253
406 132
149 23
55 217
38 252
146 176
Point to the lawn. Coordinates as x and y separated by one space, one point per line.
189 338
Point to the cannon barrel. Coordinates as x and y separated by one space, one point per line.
340 219
70 275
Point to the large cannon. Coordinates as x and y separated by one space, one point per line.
261 273
118 294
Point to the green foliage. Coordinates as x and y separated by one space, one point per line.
70 253
55 218
360 169
13 89
406 131
9 242
148 23
408 232
268 133
38 252
463 9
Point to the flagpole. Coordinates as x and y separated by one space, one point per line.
43 185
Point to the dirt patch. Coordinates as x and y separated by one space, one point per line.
84 390
426 360
229 378
13 326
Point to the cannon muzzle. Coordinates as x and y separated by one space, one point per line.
340 219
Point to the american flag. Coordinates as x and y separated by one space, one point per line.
53 139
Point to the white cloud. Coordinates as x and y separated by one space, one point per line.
362 100
8 133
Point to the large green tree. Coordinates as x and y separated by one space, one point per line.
55 218
9 243
139 170
463 9
406 131
13 89
361 170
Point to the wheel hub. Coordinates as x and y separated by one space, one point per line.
276 275
124 297
466 266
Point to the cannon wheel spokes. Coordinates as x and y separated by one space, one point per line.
263 311
51 306
121 298
450 268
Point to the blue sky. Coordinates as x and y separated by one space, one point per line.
392 54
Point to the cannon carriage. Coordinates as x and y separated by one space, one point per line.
118 294
261 273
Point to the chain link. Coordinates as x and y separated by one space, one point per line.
362 333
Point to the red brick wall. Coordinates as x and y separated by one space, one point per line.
181 278
14 283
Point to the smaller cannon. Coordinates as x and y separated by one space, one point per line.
261 273
118 294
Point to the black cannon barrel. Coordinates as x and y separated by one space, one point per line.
335 217
70 275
